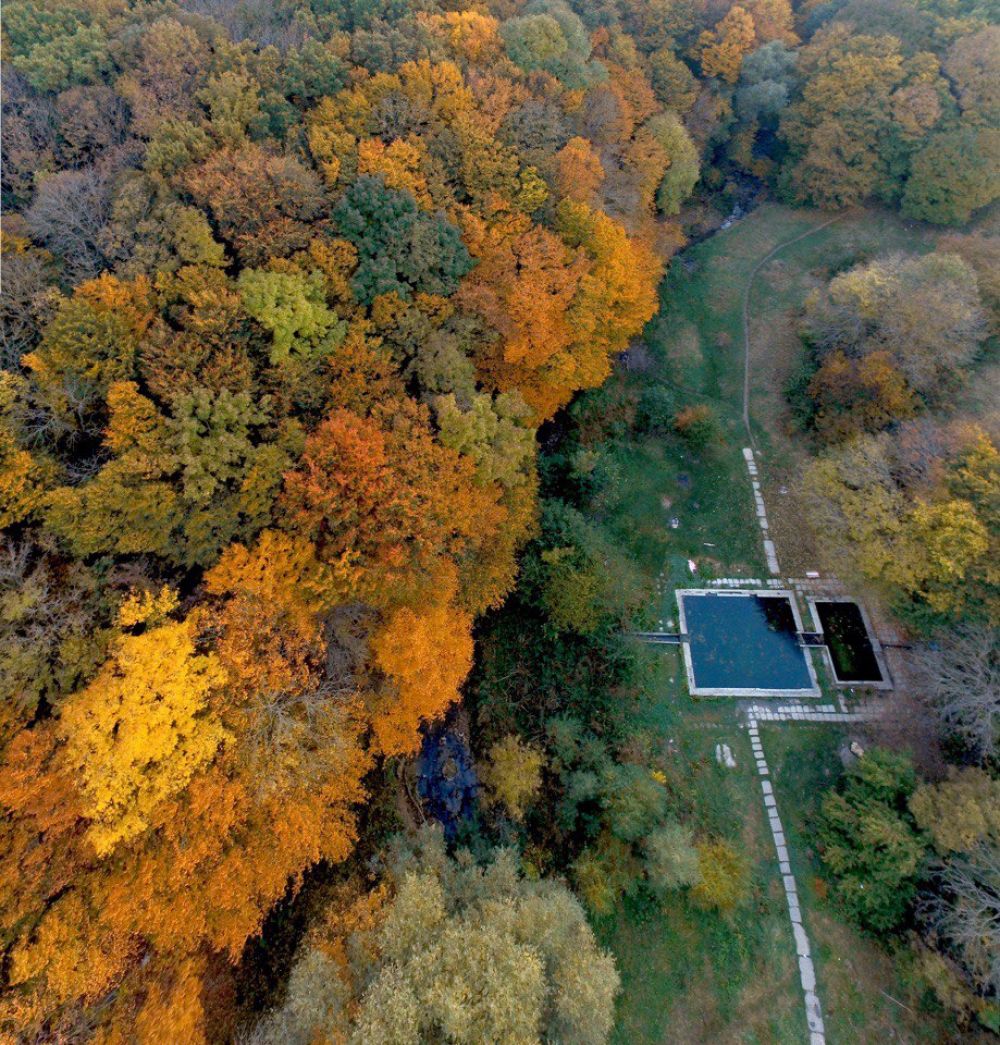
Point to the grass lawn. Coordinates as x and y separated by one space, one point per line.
709 495
864 990
699 332
690 975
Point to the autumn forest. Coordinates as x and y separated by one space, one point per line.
313 322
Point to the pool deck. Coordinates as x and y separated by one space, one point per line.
715 691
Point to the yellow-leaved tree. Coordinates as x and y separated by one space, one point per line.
139 732
722 50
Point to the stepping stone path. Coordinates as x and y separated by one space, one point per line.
796 712
769 553
743 582
807 972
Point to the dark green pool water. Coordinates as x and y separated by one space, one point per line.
847 640
744 642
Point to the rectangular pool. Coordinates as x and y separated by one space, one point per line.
855 655
744 644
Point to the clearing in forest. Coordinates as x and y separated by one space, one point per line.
690 974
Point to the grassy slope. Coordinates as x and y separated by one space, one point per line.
688 975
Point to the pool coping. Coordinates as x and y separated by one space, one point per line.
725 593
886 681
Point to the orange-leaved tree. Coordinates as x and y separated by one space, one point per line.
425 655
382 491
523 286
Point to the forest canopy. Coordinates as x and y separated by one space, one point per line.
289 290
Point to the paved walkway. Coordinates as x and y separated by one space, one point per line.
769 550
807 972
795 712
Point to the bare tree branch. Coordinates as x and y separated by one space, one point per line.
962 679
965 911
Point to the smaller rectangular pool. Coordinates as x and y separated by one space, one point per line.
744 644
855 654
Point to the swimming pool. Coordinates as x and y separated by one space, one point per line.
744 644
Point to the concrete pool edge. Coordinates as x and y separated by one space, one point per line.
765 593
886 680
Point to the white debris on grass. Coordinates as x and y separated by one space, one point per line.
724 756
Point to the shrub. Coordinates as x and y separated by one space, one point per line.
633 801
724 877
605 873
672 859
513 774
657 410
869 842
959 811
697 426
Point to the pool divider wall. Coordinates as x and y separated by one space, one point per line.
727 593
886 681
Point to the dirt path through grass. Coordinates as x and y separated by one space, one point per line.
746 313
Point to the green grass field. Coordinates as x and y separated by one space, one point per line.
699 332
867 993
689 975
708 494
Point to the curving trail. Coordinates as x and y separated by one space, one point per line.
746 312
